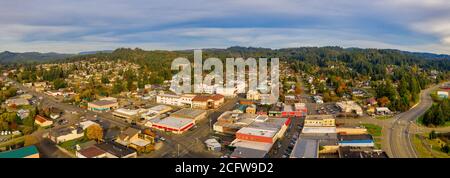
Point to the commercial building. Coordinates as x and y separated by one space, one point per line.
85 124
128 114
361 152
172 124
90 152
156 111
42 121
17 102
207 101
296 110
308 144
194 114
350 107
103 105
250 149
364 140
319 124
175 100
351 130
24 152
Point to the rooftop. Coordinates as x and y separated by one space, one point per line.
115 149
103 102
91 152
318 117
20 153
188 113
305 148
174 122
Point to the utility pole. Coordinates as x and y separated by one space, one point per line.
178 150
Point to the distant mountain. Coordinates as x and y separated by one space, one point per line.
11 57
95 52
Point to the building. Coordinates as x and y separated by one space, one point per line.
253 95
319 124
103 105
298 110
24 152
133 138
17 102
351 130
382 111
442 94
350 107
251 109
172 124
250 149
230 122
90 152
194 114
23 113
175 100
128 114
361 152
207 101
155 111
213 145
116 150
65 134
310 145
85 124
364 140
305 148
42 121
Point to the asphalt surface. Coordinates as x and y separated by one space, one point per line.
400 135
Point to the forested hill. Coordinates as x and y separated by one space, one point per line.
11 57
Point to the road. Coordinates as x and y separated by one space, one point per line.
400 145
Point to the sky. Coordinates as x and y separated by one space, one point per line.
69 26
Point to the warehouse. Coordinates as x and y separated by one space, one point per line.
156 111
194 114
173 124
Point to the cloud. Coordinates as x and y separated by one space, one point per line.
73 26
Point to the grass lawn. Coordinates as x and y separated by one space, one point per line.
373 129
70 145
423 147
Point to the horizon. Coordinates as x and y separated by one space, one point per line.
224 48
69 27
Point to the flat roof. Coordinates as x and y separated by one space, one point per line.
252 145
188 113
20 153
257 132
319 117
242 152
128 112
305 148
173 122
319 129
160 108
115 149
103 102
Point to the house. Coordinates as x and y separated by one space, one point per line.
382 110
42 121
23 113
65 134
207 101
90 152
103 105
371 101
442 94
24 152
116 150
133 138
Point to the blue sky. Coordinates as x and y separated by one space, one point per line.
85 25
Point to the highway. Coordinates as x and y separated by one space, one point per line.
400 134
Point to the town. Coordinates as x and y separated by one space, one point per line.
110 109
